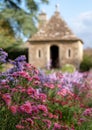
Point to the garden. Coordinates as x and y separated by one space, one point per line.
30 99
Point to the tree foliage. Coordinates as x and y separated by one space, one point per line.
86 64
21 14
6 33
17 19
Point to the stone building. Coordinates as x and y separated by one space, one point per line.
54 43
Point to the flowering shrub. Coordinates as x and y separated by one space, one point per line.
3 56
31 100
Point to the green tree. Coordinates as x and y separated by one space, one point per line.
17 21
6 33
22 18
86 64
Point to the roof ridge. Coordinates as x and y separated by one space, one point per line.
56 28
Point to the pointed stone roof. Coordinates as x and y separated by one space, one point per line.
56 29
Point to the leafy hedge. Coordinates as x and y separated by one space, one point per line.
86 64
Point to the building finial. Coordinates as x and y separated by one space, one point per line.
57 7
43 11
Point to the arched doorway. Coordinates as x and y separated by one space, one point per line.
54 56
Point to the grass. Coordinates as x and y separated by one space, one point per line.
66 68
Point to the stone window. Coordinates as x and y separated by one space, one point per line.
69 53
39 53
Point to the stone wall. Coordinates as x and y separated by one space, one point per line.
34 58
39 53
76 53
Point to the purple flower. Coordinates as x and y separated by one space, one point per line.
3 56
20 59
43 77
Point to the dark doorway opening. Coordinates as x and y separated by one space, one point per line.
54 55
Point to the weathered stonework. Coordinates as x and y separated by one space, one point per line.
55 41
75 59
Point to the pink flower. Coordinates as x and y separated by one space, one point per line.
23 74
30 121
64 92
36 82
19 126
43 97
57 126
59 85
14 109
42 108
34 109
30 91
29 78
35 77
50 115
14 90
4 82
48 123
88 112
45 84
55 116
23 90
26 107
51 86
7 98
81 120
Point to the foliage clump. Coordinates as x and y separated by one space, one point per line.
86 64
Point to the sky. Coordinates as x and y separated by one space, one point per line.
77 14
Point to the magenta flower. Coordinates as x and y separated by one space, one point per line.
42 97
34 109
42 108
19 126
31 91
27 108
57 126
7 98
55 116
63 92
50 115
48 123
14 109
51 86
30 121
88 112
